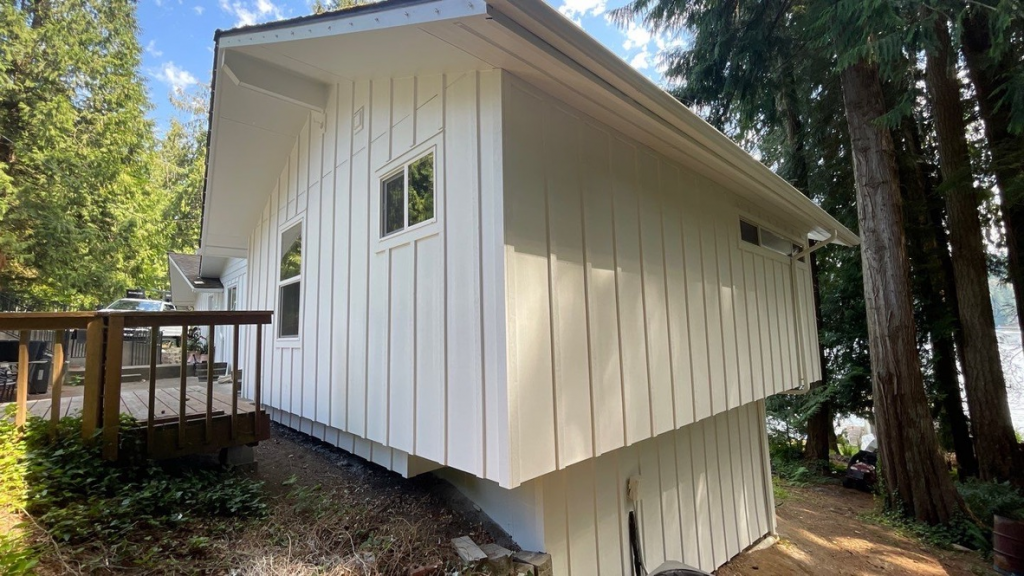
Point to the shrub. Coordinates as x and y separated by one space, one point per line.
987 499
127 506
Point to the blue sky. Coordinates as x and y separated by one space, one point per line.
177 36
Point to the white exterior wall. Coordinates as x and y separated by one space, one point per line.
233 276
392 358
705 495
633 308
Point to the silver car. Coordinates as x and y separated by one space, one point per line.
142 305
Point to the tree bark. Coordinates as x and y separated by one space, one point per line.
912 468
988 76
995 443
933 283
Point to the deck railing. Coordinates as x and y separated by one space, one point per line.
101 400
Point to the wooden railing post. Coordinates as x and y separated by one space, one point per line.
182 386
154 340
21 412
112 387
234 383
257 377
209 383
93 376
56 379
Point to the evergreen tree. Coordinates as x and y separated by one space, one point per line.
181 171
80 218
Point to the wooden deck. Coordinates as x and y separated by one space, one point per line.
136 403
170 438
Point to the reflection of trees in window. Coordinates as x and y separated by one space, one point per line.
291 252
394 211
421 190
407 198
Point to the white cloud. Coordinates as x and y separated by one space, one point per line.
198 10
641 61
249 13
177 78
636 37
577 9
151 49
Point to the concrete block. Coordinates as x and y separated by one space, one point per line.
467 550
499 558
539 560
237 456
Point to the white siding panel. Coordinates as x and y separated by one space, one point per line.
401 348
386 350
569 322
656 320
463 289
586 508
629 274
598 227
430 351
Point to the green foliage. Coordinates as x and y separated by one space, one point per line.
181 170
12 464
129 506
988 499
81 217
959 530
15 557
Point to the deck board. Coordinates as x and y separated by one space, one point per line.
136 403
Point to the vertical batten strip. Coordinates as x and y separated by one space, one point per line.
234 382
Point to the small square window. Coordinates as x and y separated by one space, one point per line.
748 232
288 310
407 196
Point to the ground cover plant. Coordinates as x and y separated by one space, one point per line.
59 499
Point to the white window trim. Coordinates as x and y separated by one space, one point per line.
758 248
227 295
397 164
288 341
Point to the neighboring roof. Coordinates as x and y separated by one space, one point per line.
526 37
187 265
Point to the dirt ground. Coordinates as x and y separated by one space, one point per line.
821 533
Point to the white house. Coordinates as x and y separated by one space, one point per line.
495 250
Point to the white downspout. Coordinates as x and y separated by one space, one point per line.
803 385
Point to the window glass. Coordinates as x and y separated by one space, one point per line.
776 243
291 252
421 190
392 204
233 298
288 310
748 232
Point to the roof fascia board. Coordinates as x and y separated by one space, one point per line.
250 73
563 37
349 21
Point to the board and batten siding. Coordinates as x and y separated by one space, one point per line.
633 309
705 495
395 356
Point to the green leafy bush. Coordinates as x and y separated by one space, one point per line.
77 496
987 499
129 508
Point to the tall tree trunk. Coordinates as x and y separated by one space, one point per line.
988 75
933 283
994 441
911 465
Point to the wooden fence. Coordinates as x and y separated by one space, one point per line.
102 396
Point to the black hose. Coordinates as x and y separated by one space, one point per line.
634 547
